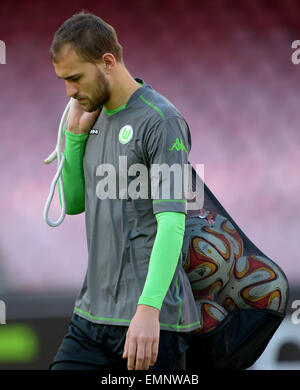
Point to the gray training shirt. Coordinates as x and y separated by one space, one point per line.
121 229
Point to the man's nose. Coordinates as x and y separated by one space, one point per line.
71 90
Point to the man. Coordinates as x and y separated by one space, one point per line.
136 302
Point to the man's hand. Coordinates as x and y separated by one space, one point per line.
142 338
80 121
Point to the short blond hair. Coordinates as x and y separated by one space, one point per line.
90 37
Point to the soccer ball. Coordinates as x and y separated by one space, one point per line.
210 314
208 253
255 282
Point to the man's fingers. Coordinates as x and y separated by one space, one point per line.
140 353
139 360
80 121
154 352
148 355
125 354
131 353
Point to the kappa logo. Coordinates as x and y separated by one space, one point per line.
125 134
94 131
178 145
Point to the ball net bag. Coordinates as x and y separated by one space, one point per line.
241 294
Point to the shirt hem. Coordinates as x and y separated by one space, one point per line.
126 322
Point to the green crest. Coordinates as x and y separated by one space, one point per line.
125 134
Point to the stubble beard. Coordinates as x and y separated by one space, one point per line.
100 93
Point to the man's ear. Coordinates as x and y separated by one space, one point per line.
108 62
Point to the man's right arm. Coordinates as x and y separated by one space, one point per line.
79 124
72 173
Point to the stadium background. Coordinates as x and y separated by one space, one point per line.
227 66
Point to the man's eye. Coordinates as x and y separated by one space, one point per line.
76 79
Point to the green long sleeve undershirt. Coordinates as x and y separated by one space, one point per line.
72 173
170 225
164 257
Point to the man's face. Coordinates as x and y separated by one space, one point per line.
84 81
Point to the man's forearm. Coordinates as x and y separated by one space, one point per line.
72 173
164 258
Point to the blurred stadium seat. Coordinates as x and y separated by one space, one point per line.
225 65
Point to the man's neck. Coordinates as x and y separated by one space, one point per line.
124 86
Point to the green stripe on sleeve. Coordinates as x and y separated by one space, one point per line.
152 105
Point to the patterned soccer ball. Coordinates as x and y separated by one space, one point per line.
255 282
211 314
208 252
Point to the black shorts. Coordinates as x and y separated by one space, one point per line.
89 346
